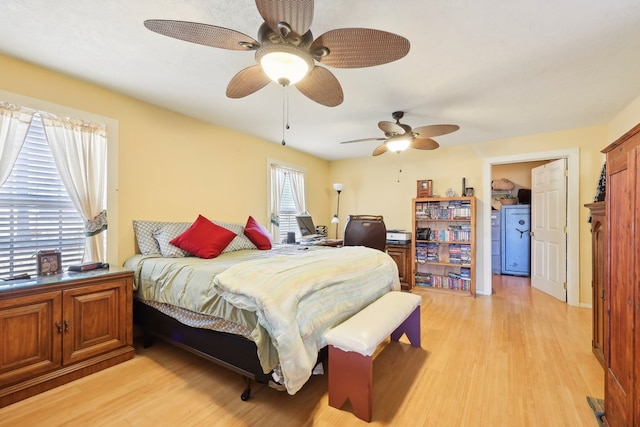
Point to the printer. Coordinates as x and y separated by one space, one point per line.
398 237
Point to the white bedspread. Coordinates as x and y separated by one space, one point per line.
298 298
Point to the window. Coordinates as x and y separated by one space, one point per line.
287 200
288 210
36 212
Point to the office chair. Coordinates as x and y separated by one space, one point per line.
365 230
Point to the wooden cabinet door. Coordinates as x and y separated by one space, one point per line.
636 282
30 342
400 255
621 281
94 320
598 264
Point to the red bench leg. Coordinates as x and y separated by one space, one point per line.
411 327
350 377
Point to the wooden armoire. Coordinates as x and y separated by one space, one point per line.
622 299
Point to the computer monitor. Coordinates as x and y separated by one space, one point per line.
305 224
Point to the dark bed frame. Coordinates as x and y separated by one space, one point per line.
232 351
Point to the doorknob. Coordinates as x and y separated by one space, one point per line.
531 233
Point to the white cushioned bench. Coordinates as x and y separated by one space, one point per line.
353 342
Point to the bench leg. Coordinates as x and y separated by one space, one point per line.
411 327
350 377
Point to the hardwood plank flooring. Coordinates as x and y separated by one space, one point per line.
516 358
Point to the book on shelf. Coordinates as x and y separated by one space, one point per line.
450 281
427 252
445 244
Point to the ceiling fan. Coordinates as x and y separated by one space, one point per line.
398 136
286 50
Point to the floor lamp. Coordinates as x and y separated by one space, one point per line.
335 220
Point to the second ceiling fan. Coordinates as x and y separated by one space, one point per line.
285 43
398 136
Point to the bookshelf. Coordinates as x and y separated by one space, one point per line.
443 250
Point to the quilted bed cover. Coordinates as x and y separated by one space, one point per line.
286 296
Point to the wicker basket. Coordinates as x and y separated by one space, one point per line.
509 201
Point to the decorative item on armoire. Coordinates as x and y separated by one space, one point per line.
601 188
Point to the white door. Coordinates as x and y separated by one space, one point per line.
548 225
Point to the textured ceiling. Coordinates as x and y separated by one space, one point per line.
496 68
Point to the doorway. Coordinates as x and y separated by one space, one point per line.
572 267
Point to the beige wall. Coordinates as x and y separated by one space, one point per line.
173 167
372 187
518 173
625 120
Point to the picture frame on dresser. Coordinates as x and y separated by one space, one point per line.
49 262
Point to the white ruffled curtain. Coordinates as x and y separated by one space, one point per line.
277 184
80 151
296 178
14 125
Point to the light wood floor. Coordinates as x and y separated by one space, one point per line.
517 358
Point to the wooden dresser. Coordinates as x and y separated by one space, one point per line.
622 290
55 329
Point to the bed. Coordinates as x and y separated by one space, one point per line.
261 312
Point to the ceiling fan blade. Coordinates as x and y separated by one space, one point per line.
390 128
359 47
297 13
380 150
434 130
363 140
424 144
322 87
247 81
204 34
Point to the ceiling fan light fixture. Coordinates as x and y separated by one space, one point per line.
398 144
284 66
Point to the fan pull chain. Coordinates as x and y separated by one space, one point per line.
399 168
285 112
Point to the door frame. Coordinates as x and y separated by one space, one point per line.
573 215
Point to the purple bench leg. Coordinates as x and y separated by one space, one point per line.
411 327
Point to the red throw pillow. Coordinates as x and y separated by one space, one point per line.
204 239
258 235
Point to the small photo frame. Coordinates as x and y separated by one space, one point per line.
468 192
49 262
